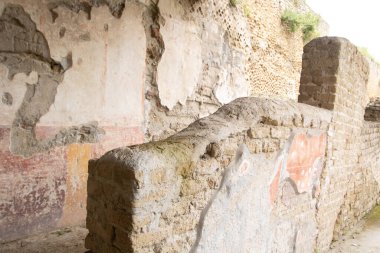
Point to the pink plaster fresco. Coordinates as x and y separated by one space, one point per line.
301 164
36 192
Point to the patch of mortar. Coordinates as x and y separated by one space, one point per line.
24 49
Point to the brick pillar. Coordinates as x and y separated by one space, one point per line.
334 77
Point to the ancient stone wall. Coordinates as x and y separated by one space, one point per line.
78 78
190 192
315 177
244 50
363 185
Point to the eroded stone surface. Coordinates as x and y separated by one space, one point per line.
187 184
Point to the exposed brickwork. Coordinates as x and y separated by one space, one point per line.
112 79
363 186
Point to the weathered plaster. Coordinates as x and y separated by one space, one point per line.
102 83
116 7
301 163
32 192
231 212
24 49
182 53
63 74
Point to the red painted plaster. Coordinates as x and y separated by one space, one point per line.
301 163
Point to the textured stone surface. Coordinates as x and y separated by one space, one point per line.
198 177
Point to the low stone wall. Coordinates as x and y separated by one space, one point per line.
259 175
200 186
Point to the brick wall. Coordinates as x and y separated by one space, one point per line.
131 71
363 185
334 76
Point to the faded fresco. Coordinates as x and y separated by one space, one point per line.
300 163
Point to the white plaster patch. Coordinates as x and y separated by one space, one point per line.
231 85
180 67
106 82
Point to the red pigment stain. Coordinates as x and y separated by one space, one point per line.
302 154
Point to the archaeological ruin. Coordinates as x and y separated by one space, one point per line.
183 126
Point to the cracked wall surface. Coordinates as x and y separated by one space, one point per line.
24 49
